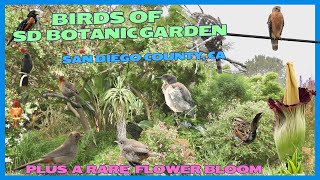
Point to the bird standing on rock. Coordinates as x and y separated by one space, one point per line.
60 156
26 24
244 131
134 151
176 95
26 67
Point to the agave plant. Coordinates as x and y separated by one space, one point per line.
289 126
122 102
95 92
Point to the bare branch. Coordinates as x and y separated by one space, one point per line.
235 62
70 107
201 9
75 104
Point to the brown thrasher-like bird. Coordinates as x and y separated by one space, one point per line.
15 112
134 151
63 155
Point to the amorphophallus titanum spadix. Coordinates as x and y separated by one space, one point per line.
289 126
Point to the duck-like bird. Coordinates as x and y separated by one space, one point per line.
244 131
176 95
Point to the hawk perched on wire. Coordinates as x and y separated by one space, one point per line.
216 43
275 24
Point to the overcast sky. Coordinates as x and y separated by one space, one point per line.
246 19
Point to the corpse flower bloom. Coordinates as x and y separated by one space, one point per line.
289 126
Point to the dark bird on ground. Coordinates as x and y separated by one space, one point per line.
26 24
176 95
63 155
275 25
26 67
244 131
15 112
134 151
67 88
216 43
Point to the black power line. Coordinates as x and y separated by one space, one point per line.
267 37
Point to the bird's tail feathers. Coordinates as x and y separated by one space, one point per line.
24 80
219 66
10 41
30 163
274 43
254 123
153 154
90 107
192 111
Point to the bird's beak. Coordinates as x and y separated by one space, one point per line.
159 77
116 142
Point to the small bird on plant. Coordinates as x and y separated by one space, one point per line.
244 131
15 112
26 24
134 151
26 67
176 95
63 155
67 88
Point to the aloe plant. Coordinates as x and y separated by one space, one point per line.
121 101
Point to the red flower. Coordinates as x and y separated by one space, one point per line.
23 50
81 51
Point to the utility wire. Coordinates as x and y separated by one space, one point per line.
267 37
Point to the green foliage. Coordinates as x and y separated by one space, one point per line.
218 146
122 103
165 141
218 91
262 64
263 87
294 165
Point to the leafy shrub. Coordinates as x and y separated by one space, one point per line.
266 86
171 149
218 91
219 147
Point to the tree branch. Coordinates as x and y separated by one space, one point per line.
75 104
71 108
